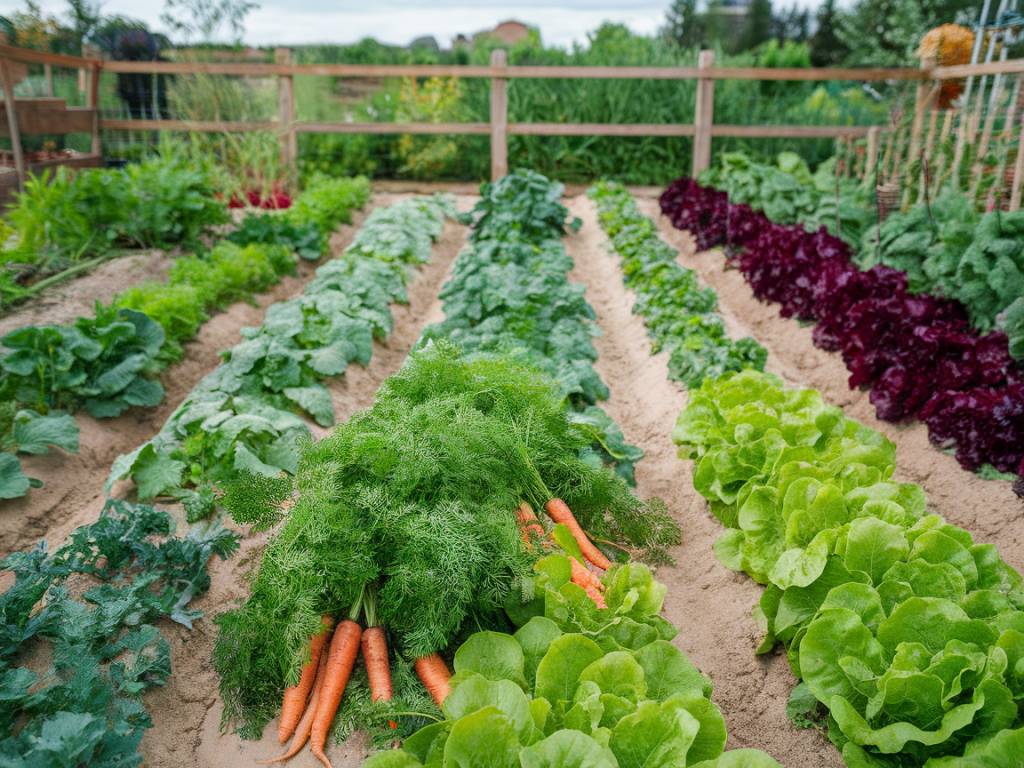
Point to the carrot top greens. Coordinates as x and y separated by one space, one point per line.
418 494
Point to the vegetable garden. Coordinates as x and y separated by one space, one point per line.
728 477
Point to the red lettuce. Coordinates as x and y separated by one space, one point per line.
917 352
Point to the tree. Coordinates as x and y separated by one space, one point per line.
85 16
683 25
757 27
827 50
791 25
205 18
886 32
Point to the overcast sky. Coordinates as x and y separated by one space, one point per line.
399 21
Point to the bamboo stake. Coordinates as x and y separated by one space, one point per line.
1006 138
871 156
940 169
929 149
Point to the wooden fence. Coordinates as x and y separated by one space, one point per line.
929 79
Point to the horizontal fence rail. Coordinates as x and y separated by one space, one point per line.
702 130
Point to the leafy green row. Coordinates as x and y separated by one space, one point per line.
509 292
65 218
108 362
576 686
949 249
101 645
679 313
245 414
909 633
788 193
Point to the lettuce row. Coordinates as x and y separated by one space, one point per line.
245 415
509 293
679 313
577 686
906 630
917 352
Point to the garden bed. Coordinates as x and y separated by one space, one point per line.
709 603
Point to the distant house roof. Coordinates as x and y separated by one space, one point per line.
509 32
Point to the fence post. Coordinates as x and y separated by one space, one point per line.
12 121
92 100
704 116
48 74
286 114
499 117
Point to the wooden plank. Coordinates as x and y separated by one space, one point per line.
536 72
288 138
48 75
703 117
475 129
32 121
28 56
973 70
499 117
791 131
7 80
599 129
514 129
196 126
252 69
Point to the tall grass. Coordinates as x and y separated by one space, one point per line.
634 160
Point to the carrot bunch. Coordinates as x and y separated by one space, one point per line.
308 708
560 513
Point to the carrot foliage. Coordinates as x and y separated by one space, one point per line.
417 494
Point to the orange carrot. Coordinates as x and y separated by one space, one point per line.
434 675
340 660
378 670
528 523
306 723
295 696
559 511
583 577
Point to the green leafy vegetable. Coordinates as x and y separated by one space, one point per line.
104 649
679 313
908 632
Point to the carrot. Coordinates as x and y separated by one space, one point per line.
583 577
559 511
295 696
434 675
529 526
378 669
306 723
340 660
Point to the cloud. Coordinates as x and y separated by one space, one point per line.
561 22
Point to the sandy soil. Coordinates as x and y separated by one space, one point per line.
73 483
710 604
66 301
186 712
987 508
